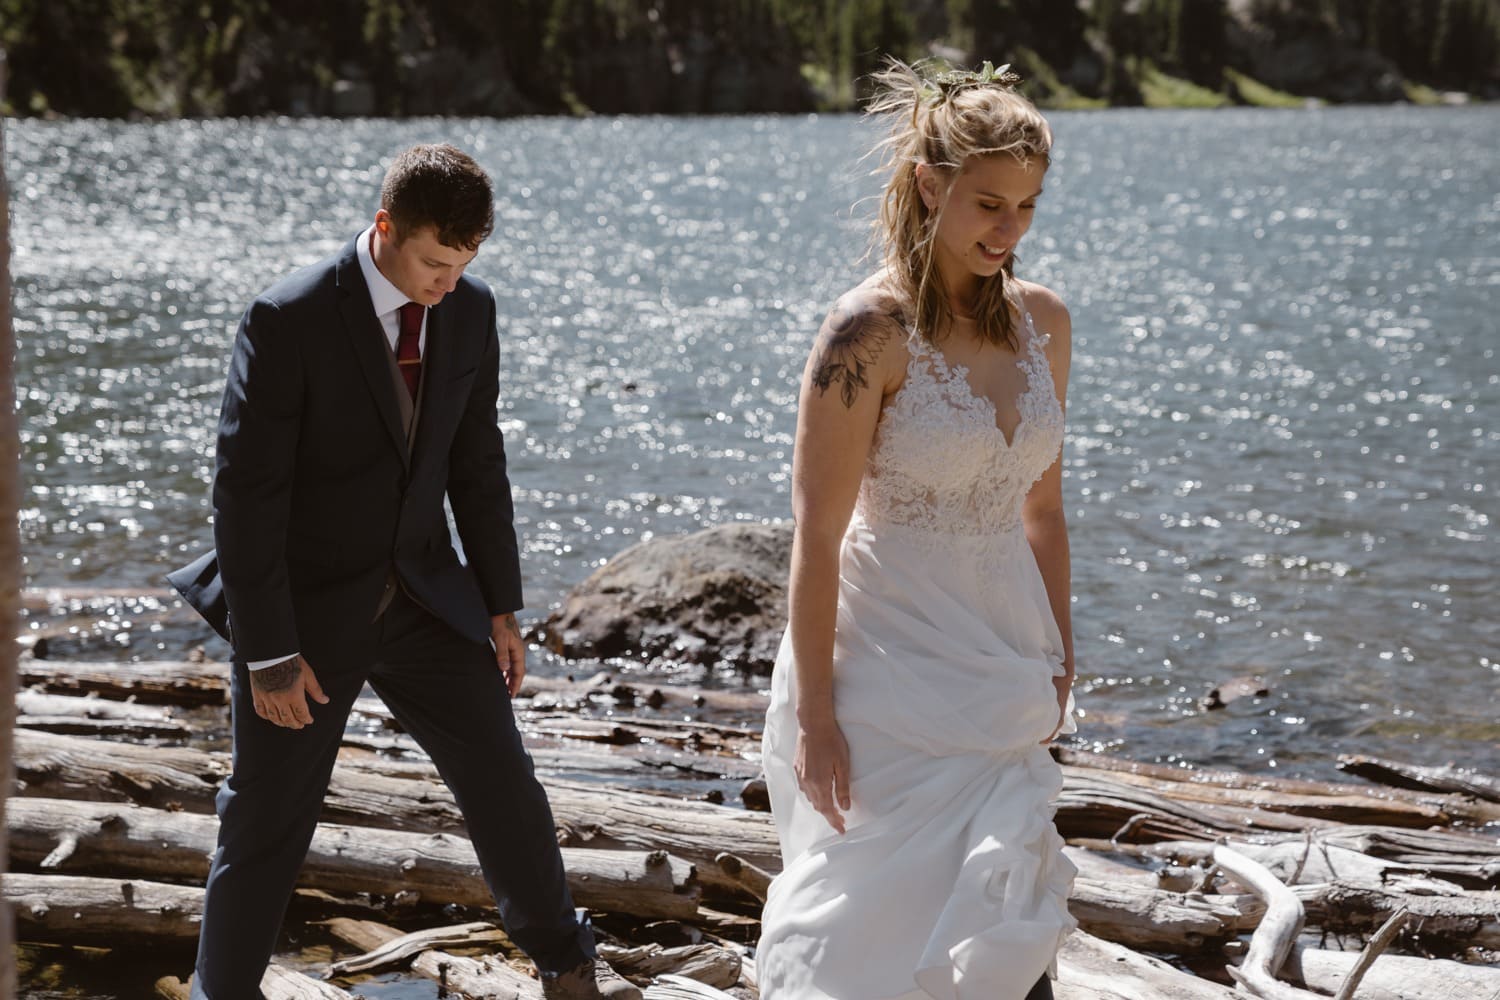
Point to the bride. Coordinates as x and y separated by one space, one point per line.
929 656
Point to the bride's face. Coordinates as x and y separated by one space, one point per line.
982 215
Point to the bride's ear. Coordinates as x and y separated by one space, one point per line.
929 186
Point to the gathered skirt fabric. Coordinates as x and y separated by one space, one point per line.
950 883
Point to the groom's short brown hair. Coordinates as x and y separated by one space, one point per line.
440 186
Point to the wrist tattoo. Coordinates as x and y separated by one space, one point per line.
510 625
276 677
848 345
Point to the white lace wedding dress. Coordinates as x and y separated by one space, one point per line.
950 882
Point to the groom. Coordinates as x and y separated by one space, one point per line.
361 392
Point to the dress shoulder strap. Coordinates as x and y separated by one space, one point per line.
916 344
1034 339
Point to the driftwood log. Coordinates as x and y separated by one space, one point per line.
95 716
175 682
639 765
1394 977
366 791
1092 969
1155 919
385 947
39 704
1432 779
399 949
706 963
1341 802
363 935
155 682
277 984
1275 933
1345 852
80 910
1345 857
105 728
1449 923
371 791
87 837
488 978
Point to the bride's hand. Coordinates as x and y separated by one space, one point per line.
822 767
1064 686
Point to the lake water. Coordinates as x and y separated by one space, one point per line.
1281 456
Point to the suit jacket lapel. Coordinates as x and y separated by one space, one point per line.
368 343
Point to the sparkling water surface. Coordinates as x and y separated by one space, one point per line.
1280 458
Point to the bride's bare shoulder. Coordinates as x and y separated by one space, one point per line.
1047 309
863 340
876 300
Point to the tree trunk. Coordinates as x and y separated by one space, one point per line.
90 838
10 546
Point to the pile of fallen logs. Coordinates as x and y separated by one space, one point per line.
1190 882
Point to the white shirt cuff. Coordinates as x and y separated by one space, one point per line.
262 664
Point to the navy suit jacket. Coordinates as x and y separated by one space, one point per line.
315 494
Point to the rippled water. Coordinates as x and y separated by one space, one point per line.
1280 461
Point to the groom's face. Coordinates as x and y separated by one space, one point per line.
415 262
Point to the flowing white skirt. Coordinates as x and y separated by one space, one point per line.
950 883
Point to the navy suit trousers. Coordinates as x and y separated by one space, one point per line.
447 692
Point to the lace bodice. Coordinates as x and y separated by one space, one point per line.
940 464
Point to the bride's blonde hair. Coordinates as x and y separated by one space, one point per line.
942 119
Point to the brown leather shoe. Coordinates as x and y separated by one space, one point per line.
591 980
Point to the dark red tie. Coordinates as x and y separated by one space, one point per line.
408 345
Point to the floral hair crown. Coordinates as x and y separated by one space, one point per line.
944 85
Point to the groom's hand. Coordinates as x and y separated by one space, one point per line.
280 692
510 651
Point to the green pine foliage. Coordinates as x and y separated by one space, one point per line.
168 58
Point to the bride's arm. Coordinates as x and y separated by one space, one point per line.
1043 514
858 358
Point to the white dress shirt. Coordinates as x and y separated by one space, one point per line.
387 300
386 297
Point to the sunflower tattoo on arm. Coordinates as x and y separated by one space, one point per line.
851 341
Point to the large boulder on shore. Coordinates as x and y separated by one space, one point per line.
714 597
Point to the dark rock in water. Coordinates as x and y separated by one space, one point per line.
716 596
1248 686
